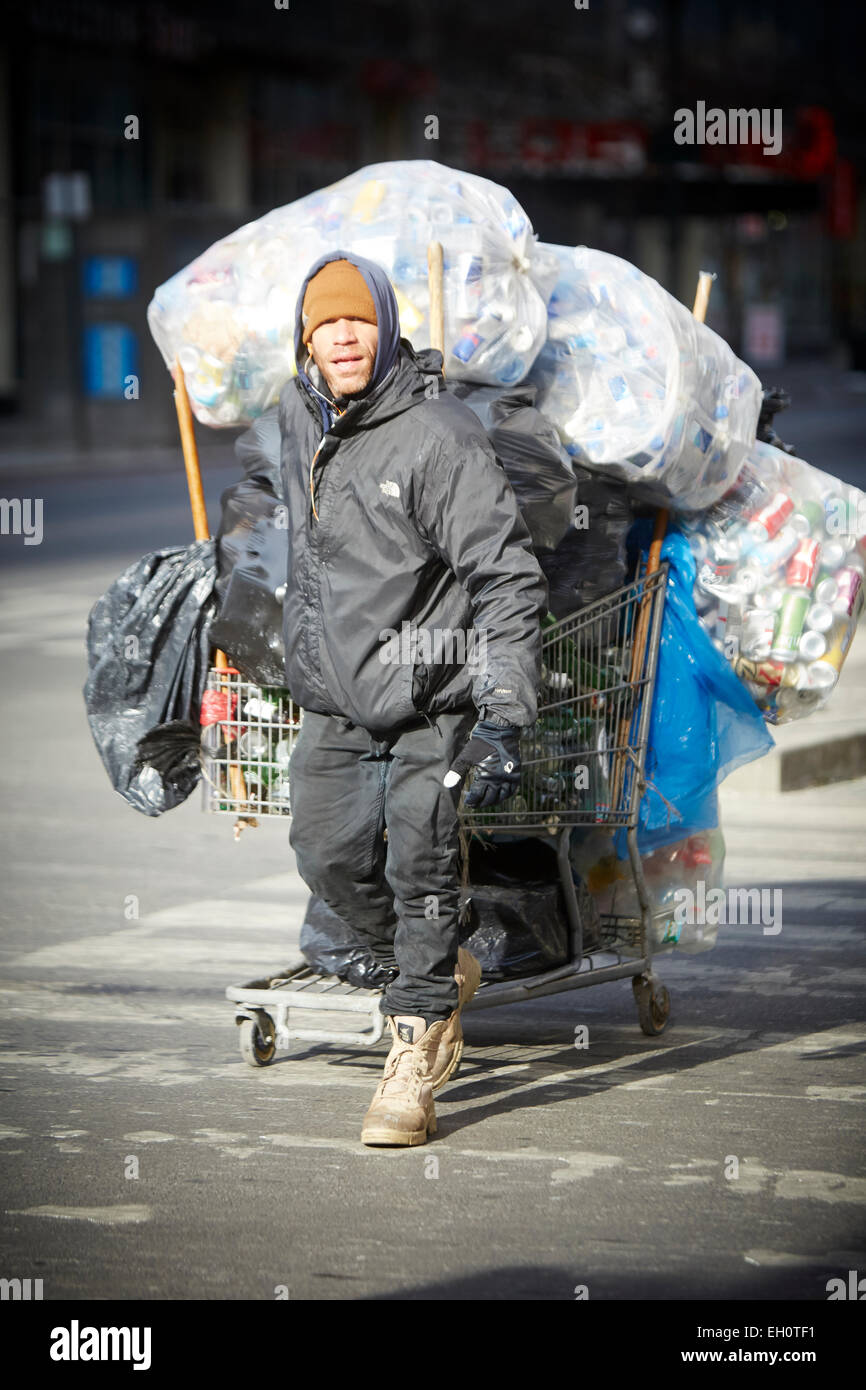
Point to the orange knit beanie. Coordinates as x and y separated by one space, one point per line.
337 291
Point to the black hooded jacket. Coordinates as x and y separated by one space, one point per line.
414 589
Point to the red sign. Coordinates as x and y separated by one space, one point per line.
841 205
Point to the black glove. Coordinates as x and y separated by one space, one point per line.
494 748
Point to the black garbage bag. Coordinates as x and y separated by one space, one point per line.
329 945
148 648
514 918
252 557
528 447
258 451
590 560
775 398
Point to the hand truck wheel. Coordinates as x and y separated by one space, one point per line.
257 1039
653 1005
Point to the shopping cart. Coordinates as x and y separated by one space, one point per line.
583 764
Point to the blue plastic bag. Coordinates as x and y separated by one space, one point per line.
704 722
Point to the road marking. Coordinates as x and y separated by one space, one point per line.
101 1216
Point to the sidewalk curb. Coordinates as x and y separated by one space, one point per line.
840 759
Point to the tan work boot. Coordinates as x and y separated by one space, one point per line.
402 1110
450 1049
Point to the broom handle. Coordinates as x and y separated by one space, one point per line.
437 308
702 299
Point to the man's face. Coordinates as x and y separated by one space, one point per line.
344 351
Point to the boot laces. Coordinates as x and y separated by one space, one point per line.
406 1067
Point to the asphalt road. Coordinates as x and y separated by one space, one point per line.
143 1159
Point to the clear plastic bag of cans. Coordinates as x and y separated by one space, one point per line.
230 315
638 388
780 565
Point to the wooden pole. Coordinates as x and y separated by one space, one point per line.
190 455
437 307
201 529
702 299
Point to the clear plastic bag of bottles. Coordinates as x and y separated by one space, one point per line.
780 564
638 388
678 876
230 315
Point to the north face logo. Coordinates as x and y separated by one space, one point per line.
390 489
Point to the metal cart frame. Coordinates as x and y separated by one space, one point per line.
583 764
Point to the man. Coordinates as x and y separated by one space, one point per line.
413 644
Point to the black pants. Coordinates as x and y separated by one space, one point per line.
400 897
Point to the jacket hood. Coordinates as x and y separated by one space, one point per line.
387 315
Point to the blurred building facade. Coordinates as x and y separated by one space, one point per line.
132 136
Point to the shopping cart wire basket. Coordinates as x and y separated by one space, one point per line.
583 764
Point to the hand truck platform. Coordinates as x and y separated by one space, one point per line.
582 765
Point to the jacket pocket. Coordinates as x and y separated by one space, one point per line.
420 685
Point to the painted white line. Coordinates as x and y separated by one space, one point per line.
101 1216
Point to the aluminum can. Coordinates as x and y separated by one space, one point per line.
770 519
832 555
766 675
771 597
792 615
812 645
826 589
820 617
849 584
773 554
800 523
802 568
813 514
796 703
748 581
759 629
825 671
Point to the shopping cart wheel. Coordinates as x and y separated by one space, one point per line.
257 1039
653 1005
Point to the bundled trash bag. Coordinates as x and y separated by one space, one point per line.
779 586
514 919
330 946
590 560
229 316
258 451
638 388
775 398
704 723
527 445
673 874
148 648
252 554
